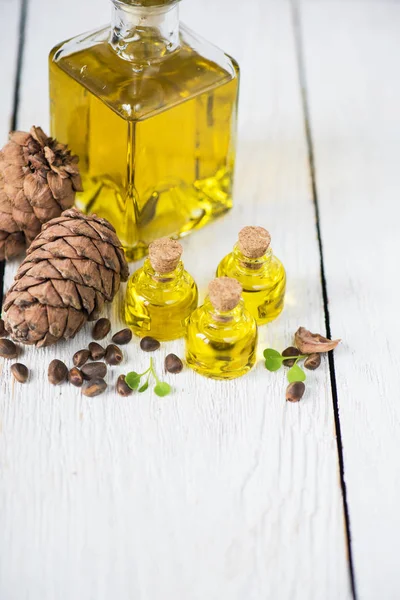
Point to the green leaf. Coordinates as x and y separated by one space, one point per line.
162 388
271 353
273 359
273 364
133 380
296 373
144 387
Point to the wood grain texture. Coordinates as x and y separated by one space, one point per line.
352 55
221 490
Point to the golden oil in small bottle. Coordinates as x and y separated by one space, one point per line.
260 273
161 295
150 108
221 337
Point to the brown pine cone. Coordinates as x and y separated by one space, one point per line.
73 266
38 180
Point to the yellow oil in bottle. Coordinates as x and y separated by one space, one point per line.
263 280
221 344
159 302
155 135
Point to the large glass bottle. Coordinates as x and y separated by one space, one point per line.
150 108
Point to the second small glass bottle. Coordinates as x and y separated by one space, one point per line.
221 337
161 295
260 273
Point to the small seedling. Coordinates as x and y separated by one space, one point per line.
274 361
133 380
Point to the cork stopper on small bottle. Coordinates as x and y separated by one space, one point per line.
224 293
165 254
254 241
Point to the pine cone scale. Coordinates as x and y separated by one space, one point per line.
75 321
87 296
47 293
66 269
84 250
57 319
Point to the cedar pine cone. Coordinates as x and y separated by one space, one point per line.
73 266
38 180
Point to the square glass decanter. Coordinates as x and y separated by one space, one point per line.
151 109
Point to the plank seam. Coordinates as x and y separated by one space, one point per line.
16 98
296 21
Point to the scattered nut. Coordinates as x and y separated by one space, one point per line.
94 370
295 391
8 349
57 372
149 344
309 342
75 377
291 351
20 372
113 355
94 387
81 357
122 337
313 361
173 363
96 351
122 387
101 329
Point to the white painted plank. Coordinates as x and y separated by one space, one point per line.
220 490
9 19
352 55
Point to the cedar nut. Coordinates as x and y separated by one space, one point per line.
122 387
312 361
75 377
173 363
295 391
96 351
149 344
122 337
20 372
8 349
94 387
94 370
113 355
81 357
57 372
291 351
101 329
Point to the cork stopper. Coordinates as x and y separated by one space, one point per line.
224 293
254 241
165 255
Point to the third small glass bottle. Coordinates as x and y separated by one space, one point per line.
259 271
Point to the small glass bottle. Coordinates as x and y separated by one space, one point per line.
150 109
260 273
221 337
161 295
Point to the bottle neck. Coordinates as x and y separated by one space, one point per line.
144 34
226 317
163 278
252 264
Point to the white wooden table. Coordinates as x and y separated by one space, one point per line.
222 491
